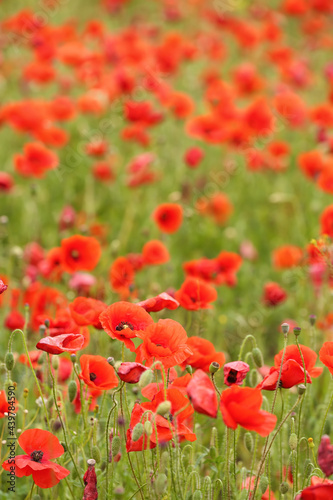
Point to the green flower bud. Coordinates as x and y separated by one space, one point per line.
148 428
72 390
164 408
55 362
189 369
111 361
297 331
284 488
257 357
197 495
253 378
263 485
146 378
161 484
137 432
36 497
96 454
9 361
115 446
63 444
214 437
308 467
164 461
285 328
248 442
213 368
293 441
73 358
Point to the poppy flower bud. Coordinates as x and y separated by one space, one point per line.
146 378
284 488
297 331
248 441
72 390
163 408
312 319
253 379
131 372
197 495
96 454
41 359
257 357
9 361
189 369
301 389
214 367
263 484
148 428
36 497
293 441
115 447
214 437
47 323
111 361
285 328
137 432
55 362
161 484
308 467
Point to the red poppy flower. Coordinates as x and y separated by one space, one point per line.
164 341
40 447
287 256
97 373
122 276
91 394
131 372
235 372
86 311
193 157
309 357
155 253
68 342
103 171
123 321
6 182
14 320
202 394
195 294
161 301
273 294
241 406
80 253
228 264
203 354
168 217
326 221
35 161
325 455
311 163
218 206
320 489
292 374
326 355
90 482
4 405
180 383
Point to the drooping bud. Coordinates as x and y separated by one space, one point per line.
72 390
9 361
164 408
146 378
248 441
148 428
90 481
253 378
55 362
137 432
115 447
257 357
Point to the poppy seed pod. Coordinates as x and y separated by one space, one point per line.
137 432
163 408
9 361
284 488
301 389
285 328
72 390
297 331
312 319
214 367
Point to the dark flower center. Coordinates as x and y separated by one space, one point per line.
123 325
37 455
92 376
232 377
75 254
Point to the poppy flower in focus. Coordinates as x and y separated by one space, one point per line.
326 221
195 294
203 354
164 341
131 372
241 406
168 217
309 357
123 321
80 253
35 161
40 447
235 372
273 294
68 342
202 394
154 253
326 355
97 373
287 256
161 301
86 311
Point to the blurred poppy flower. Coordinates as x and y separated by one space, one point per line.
3 287
195 294
326 221
287 256
241 406
68 342
235 372
123 321
122 276
154 253
325 455
193 157
80 253
218 206
320 489
14 320
202 394
168 217
164 341
6 182
273 294
86 311
40 447
326 355
161 301
35 161
203 354
97 373
131 372
4 405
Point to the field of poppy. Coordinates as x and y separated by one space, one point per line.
166 257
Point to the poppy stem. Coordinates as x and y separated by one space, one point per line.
10 342
299 416
227 462
107 439
61 421
248 337
215 386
